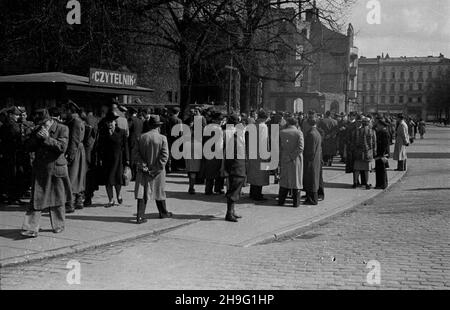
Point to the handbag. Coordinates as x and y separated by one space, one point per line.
126 176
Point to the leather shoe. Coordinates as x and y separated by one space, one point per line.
165 215
230 218
141 220
70 210
29 234
58 230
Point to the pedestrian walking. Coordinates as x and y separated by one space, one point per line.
151 155
422 128
51 188
291 162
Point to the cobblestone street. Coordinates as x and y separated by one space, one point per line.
405 229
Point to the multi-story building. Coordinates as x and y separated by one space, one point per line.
320 75
397 84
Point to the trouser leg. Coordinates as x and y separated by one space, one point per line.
209 184
32 220
57 217
295 198
312 198
191 183
218 185
321 190
234 188
162 208
282 194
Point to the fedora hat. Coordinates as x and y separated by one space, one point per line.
154 120
111 116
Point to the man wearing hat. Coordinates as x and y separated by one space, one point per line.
76 155
11 138
312 156
382 154
401 142
121 121
151 155
51 188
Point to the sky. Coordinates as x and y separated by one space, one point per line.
407 28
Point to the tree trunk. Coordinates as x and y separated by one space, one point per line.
186 84
245 92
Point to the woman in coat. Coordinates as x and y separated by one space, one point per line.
401 142
113 156
422 130
291 162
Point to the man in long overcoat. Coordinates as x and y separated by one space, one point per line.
213 180
151 155
76 155
291 162
136 126
257 177
312 157
330 130
401 142
51 188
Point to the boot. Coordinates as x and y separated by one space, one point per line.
252 191
163 213
234 213
230 216
295 198
141 205
282 194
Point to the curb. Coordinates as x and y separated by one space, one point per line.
83 246
317 220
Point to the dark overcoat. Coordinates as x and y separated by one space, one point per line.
51 184
211 167
113 155
330 129
258 172
291 158
312 157
136 126
76 154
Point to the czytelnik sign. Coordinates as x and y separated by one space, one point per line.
112 78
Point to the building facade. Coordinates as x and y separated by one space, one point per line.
320 75
397 84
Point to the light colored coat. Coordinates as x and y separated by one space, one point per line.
291 158
151 149
401 141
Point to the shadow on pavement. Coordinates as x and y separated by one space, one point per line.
13 234
429 189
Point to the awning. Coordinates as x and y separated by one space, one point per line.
71 83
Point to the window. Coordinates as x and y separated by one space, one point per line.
411 86
402 87
420 86
299 52
410 99
383 87
400 99
411 75
298 79
419 99
402 75
393 75
420 75
372 99
430 74
383 99
392 99
364 87
392 87
169 95
372 86
383 75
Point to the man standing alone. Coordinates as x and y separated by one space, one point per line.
151 155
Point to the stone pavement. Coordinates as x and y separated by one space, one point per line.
406 229
197 217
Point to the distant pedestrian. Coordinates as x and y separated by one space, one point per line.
422 128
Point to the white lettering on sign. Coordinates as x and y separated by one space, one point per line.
74 15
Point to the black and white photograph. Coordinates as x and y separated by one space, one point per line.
225 151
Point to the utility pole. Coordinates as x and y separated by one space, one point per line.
231 68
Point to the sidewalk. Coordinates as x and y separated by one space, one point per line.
197 217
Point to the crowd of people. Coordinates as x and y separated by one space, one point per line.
60 156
